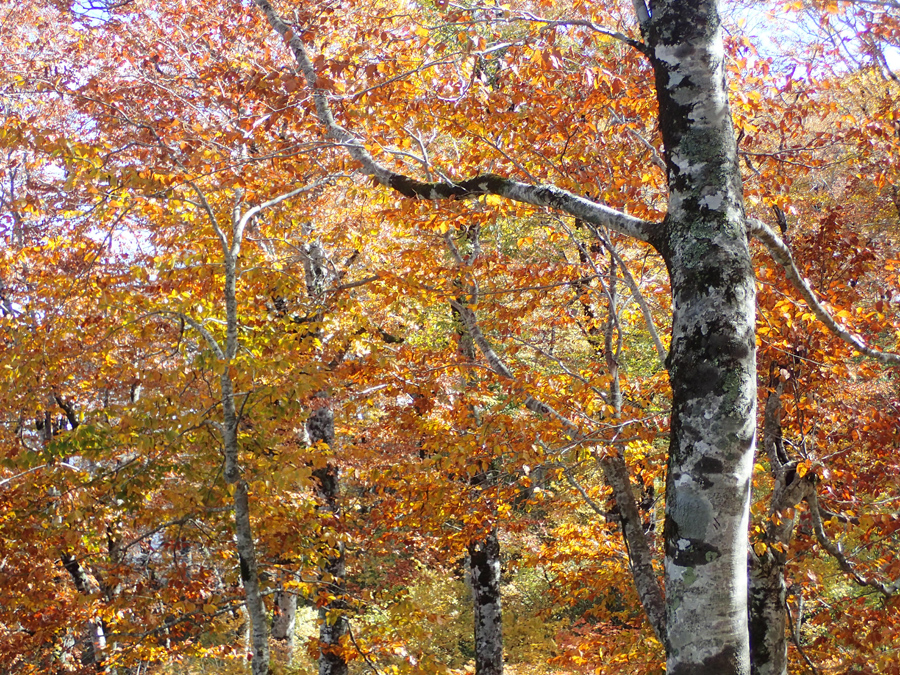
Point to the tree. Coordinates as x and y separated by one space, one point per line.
704 242
132 132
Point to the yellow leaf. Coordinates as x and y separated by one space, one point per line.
760 548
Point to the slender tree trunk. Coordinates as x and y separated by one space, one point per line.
767 592
246 549
333 622
712 358
767 597
484 570
484 554
615 469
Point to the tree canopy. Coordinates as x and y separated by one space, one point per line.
333 333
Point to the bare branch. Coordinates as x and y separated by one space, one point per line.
197 326
795 634
242 222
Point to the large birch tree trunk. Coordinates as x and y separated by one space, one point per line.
712 358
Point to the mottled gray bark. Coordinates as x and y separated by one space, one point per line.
229 426
768 615
484 573
712 357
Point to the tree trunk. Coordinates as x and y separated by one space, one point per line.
246 549
767 593
767 597
284 623
95 640
333 622
484 571
712 358
484 554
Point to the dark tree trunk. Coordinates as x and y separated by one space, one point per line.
484 571
768 614
767 593
333 622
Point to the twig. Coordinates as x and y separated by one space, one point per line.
361 652
837 552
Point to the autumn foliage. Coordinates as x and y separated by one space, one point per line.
134 134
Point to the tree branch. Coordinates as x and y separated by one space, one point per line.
244 219
536 195
782 255
837 552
